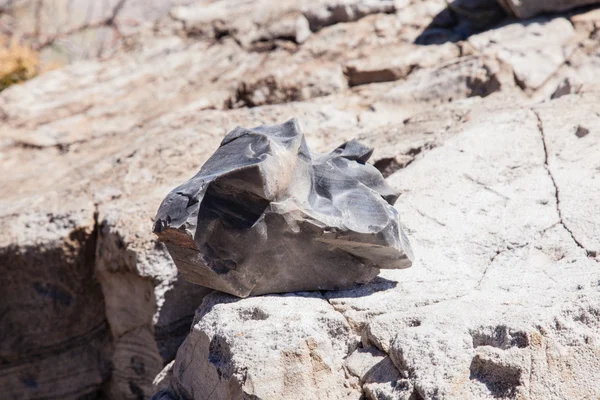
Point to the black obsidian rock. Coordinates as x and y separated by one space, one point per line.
266 215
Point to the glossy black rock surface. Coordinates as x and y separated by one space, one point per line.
266 215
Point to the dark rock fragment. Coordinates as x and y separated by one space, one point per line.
266 215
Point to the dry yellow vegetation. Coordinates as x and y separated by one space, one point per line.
18 62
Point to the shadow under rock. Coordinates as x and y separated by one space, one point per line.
461 19
176 315
378 284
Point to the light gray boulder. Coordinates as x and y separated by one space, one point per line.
227 354
266 215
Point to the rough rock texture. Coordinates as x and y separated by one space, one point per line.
533 60
499 193
96 301
303 359
266 215
72 331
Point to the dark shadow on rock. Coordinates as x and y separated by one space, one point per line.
378 284
461 19
501 379
176 315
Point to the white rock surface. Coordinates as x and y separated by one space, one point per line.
301 359
501 303
534 50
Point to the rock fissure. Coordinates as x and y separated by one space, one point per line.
115 12
388 165
496 255
421 213
530 378
589 253
391 371
486 187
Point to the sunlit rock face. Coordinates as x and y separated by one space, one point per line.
266 215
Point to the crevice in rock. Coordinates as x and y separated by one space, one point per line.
439 300
342 13
357 76
550 227
518 82
387 166
336 310
62 148
501 337
493 258
378 375
500 379
416 395
275 94
116 10
429 217
485 271
484 86
219 355
486 187
530 377
266 45
540 125
164 334
351 347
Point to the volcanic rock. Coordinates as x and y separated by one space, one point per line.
529 8
266 215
